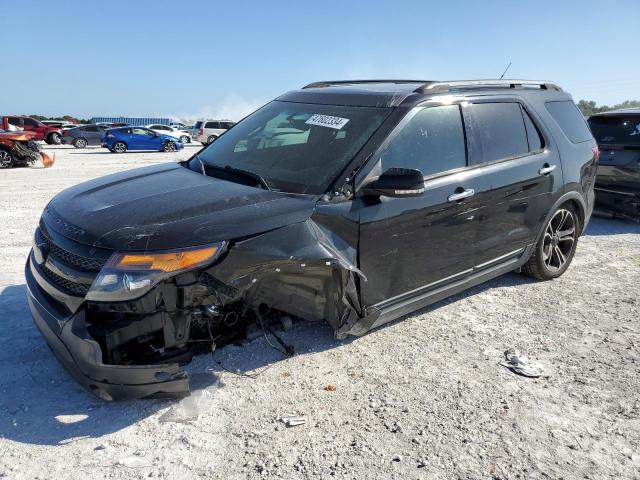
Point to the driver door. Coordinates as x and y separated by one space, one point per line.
415 243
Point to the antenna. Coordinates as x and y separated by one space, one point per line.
505 71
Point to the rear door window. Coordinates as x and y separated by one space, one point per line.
616 130
212 125
432 141
570 120
497 131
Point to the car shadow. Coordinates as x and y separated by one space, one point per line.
599 226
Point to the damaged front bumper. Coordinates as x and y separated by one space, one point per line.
67 336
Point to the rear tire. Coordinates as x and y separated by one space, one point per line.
7 160
79 142
119 147
184 139
554 251
211 139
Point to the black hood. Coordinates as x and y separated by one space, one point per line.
168 206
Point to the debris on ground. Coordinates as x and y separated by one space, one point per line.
330 387
292 420
520 364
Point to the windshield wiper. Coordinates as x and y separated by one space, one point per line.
257 177
239 171
204 172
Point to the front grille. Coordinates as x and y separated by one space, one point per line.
67 286
77 261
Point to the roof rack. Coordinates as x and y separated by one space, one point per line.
505 83
357 82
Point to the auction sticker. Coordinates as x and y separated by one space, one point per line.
327 121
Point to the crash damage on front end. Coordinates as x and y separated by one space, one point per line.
124 321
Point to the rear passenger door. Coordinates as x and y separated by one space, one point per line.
92 134
514 178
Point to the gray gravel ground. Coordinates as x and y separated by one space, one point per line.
422 398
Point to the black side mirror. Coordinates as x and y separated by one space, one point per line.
397 182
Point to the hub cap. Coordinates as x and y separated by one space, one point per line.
559 238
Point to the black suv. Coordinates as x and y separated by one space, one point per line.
618 180
354 202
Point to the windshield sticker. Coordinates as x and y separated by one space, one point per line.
327 121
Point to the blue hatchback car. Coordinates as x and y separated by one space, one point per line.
121 139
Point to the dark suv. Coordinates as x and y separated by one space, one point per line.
618 181
354 202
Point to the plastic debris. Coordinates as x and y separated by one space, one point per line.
520 364
292 420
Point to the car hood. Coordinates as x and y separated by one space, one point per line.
168 206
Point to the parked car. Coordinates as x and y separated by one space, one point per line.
121 139
179 126
182 135
50 134
349 202
206 131
618 180
18 148
86 135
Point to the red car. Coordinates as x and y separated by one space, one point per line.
50 134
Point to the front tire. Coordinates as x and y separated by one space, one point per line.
79 142
554 251
6 159
54 138
119 147
169 147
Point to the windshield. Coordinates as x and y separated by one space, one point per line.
616 130
294 147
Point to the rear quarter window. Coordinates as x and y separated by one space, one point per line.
570 120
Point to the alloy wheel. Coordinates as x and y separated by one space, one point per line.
559 238
5 159
81 143
169 147
119 147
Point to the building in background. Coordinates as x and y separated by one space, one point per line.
135 121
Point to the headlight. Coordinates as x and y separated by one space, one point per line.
126 275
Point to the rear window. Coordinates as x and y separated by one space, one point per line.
616 130
570 120
497 131
198 125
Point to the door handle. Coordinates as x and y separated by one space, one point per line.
454 197
546 169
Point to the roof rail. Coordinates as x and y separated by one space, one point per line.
356 82
505 83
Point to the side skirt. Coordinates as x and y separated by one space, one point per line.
394 308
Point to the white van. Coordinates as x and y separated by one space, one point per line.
206 131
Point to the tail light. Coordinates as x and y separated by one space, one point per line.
201 131
596 153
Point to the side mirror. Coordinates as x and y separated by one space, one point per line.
396 182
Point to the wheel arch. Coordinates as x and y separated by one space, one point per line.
572 197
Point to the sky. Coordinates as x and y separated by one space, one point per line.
193 59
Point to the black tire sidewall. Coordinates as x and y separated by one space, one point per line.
55 139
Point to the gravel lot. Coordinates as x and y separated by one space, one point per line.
422 398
